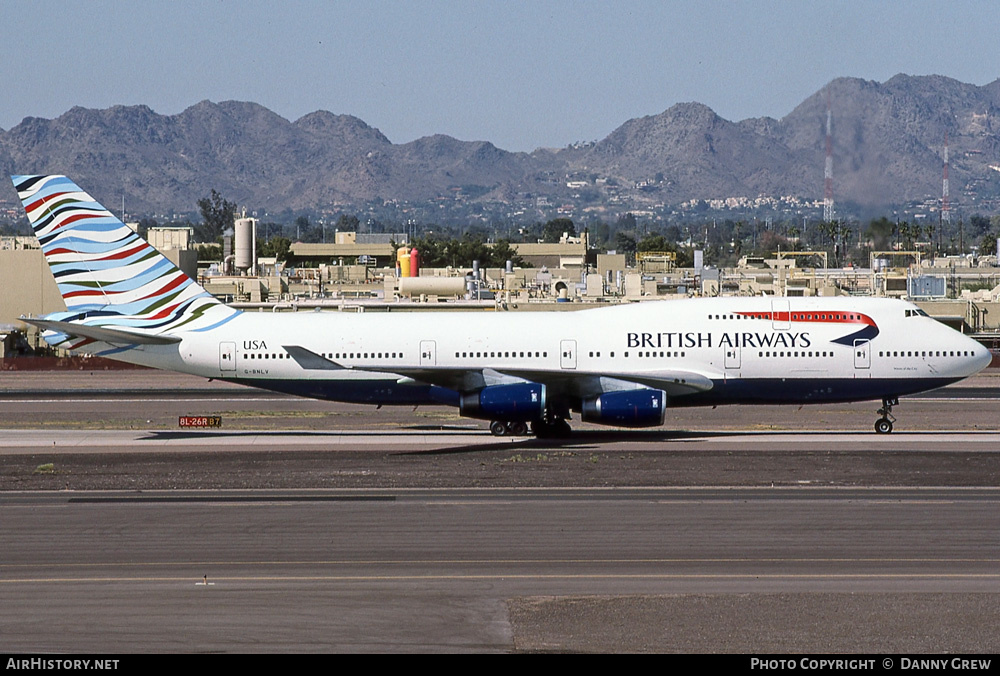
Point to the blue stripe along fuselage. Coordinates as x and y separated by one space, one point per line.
389 392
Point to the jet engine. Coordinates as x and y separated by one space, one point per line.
629 408
517 401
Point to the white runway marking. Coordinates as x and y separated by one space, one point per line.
18 441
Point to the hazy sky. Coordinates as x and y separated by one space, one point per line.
519 74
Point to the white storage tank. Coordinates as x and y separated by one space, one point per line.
431 286
246 244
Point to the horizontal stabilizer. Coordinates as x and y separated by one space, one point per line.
103 334
311 361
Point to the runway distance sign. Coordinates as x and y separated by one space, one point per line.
200 421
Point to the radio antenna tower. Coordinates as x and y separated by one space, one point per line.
945 200
828 169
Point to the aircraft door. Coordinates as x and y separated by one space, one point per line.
227 356
567 354
781 316
862 354
428 353
732 357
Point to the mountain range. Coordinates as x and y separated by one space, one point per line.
888 145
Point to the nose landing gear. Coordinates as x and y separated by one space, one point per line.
884 424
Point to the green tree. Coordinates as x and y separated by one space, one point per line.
209 252
625 244
931 229
501 252
771 242
144 225
304 231
881 232
347 223
908 233
462 252
218 215
459 253
793 236
433 251
978 226
654 243
276 246
553 231
627 222
988 245
599 235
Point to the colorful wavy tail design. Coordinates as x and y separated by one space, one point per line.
107 275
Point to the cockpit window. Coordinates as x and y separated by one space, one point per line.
917 312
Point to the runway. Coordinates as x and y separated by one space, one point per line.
58 442
501 570
330 528
154 400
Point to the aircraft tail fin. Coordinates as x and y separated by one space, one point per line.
109 276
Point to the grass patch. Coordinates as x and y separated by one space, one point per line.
540 457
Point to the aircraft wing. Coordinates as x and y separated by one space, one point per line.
675 382
562 382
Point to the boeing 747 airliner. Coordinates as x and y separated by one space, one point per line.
620 366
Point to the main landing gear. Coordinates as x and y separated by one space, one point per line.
551 428
553 424
884 424
501 428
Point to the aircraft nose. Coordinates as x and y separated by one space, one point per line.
981 357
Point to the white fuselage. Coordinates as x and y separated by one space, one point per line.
766 350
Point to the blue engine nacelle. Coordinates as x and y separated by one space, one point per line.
518 401
631 408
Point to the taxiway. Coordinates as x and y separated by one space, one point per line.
321 527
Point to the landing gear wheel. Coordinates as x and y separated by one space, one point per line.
517 429
498 428
883 426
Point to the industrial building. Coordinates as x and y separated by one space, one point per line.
358 273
